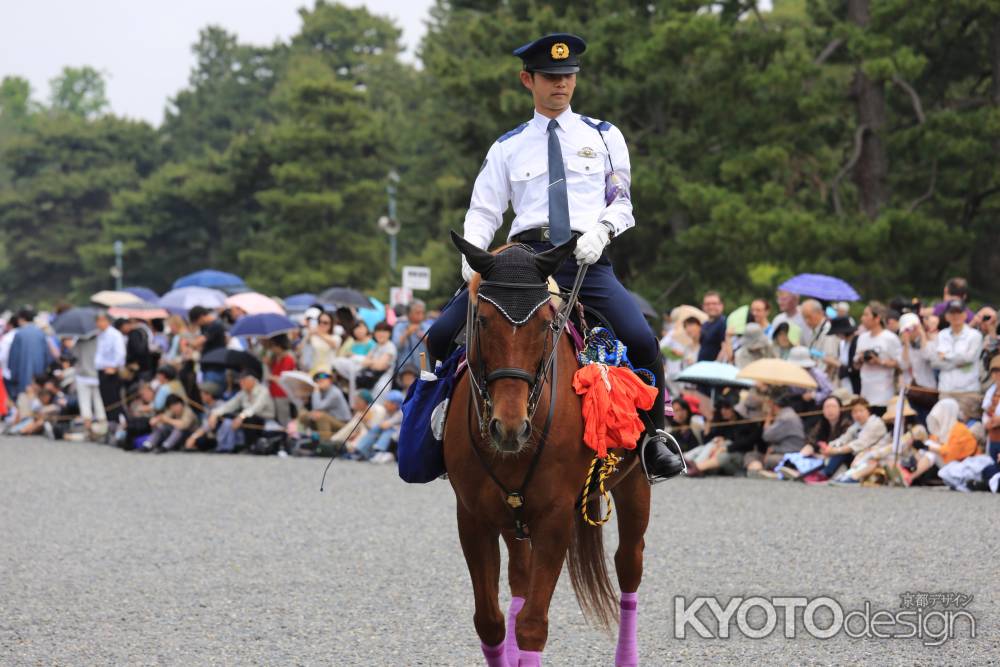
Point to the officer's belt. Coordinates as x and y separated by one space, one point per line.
536 235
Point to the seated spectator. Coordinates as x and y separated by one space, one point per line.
42 419
949 440
167 384
833 424
407 375
730 439
755 345
991 411
783 434
782 342
135 422
172 426
364 417
241 419
203 438
686 426
867 431
374 445
328 408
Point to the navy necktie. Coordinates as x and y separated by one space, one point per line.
559 230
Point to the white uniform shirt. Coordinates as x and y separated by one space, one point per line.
516 170
110 349
959 365
877 381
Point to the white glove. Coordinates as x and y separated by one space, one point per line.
467 271
590 246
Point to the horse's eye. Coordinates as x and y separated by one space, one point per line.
482 322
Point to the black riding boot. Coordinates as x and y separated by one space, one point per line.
659 459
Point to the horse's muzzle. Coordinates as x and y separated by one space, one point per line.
509 441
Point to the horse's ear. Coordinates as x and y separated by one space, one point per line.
549 261
480 260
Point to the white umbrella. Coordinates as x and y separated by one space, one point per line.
298 385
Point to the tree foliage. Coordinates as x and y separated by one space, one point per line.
850 137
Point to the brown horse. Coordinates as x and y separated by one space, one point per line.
515 456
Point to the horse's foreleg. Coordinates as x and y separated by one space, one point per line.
548 553
481 546
518 572
632 500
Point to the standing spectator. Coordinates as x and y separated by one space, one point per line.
109 359
844 329
408 334
915 362
179 348
755 346
211 336
322 344
956 357
88 394
781 336
29 354
280 360
823 345
878 355
760 311
713 331
955 289
788 304
138 357
985 322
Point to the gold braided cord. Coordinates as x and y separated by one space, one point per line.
608 467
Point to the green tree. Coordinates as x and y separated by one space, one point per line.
79 91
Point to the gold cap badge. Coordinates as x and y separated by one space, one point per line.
560 51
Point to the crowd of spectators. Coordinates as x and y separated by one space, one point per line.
148 386
329 387
936 364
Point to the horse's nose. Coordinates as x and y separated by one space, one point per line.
496 431
509 440
524 432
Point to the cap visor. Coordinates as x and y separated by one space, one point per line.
566 69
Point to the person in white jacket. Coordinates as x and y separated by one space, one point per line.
957 360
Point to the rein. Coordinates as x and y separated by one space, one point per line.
547 371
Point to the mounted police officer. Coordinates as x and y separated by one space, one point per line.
566 175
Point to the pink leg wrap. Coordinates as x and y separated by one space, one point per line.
627 653
494 655
516 604
530 659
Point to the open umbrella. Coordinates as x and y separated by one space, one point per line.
345 297
236 360
736 321
76 322
777 372
113 298
713 373
681 313
140 311
209 278
264 325
253 303
300 301
144 293
373 314
820 286
185 298
298 385
645 307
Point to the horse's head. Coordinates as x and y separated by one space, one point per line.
510 340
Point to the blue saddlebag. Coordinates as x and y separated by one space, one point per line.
420 452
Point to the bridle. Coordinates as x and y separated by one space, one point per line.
547 372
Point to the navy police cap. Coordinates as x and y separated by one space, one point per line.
557 53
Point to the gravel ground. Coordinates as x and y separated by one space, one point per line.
108 558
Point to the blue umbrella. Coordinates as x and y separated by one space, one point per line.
264 325
373 315
183 299
209 278
713 373
76 322
143 293
301 300
819 286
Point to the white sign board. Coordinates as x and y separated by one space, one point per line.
400 296
417 277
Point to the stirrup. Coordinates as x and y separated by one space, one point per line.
642 455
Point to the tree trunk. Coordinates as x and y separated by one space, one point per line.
871 171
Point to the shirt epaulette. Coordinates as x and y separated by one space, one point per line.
517 130
600 126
